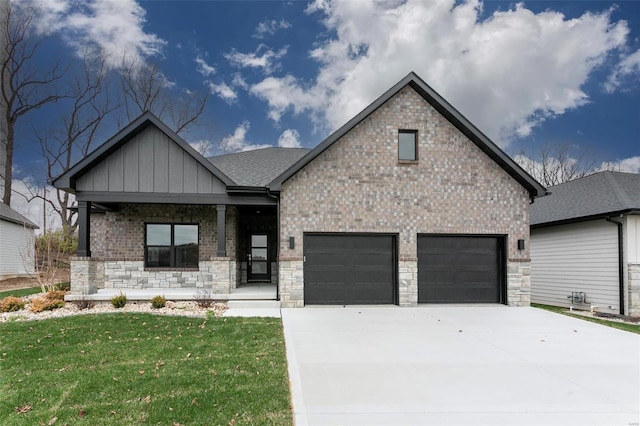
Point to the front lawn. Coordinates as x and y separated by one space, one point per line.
633 328
143 368
20 292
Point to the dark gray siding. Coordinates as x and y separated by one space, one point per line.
150 162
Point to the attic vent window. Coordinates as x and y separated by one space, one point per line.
407 145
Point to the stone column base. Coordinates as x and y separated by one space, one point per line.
518 283
85 277
408 282
291 282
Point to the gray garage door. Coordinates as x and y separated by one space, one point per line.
460 269
349 269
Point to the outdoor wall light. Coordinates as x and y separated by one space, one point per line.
520 244
292 242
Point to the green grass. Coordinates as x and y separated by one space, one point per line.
633 328
21 292
141 368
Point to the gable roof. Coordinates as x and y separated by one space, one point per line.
444 108
10 215
257 168
67 179
599 195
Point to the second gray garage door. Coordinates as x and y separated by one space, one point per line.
460 269
349 269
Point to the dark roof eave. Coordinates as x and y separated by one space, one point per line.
443 107
246 190
585 218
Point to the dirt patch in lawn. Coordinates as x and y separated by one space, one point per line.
62 276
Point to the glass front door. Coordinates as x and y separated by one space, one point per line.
258 259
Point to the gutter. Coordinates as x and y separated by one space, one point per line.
620 263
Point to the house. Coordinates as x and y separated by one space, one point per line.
585 244
17 243
406 203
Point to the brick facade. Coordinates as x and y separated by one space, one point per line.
358 185
119 235
117 246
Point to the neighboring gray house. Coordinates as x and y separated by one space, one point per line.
17 243
585 238
407 203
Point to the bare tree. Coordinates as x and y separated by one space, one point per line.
555 164
24 86
145 88
73 135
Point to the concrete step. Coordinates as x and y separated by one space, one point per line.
253 304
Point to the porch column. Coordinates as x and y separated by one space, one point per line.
222 230
84 229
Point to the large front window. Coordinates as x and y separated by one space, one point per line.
171 245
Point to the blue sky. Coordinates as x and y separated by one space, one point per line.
527 74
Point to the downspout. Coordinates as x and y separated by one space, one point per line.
620 263
275 197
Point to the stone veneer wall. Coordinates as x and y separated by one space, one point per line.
117 246
633 282
358 185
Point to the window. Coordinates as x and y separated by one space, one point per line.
408 145
171 246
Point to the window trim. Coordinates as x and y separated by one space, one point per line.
172 247
415 146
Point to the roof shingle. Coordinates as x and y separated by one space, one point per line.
258 167
593 195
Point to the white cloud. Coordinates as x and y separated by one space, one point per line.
237 141
269 27
286 93
203 68
263 58
629 165
507 73
290 138
628 66
224 91
111 27
240 82
203 146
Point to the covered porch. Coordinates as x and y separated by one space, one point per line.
181 251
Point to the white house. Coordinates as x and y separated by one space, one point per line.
585 244
17 240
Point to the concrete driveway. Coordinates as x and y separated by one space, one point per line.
459 365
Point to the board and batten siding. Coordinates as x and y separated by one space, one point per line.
632 239
153 163
16 249
576 257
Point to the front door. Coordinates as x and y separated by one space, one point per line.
258 259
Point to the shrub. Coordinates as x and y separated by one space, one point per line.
158 302
83 304
45 303
203 299
63 286
118 301
11 304
55 295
